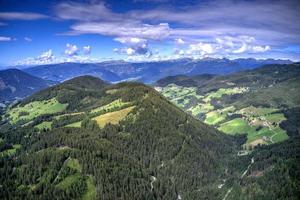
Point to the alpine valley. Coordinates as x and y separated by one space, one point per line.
88 139
149 100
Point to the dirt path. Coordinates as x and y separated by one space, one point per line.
153 179
245 172
227 193
271 138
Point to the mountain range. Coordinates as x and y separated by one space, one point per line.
147 72
16 84
190 137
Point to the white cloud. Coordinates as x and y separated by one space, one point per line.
179 41
201 48
242 49
5 39
216 23
119 29
261 48
130 51
134 46
71 50
131 40
27 39
87 49
179 52
21 16
46 56
223 46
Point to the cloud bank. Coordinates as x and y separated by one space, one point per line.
221 28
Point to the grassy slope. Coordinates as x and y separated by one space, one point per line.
35 109
112 117
248 102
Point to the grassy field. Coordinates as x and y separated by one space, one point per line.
224 91
236 126
10 152
275 117
35 109
256 111
91 189
217 116
113 105
44 125
180 95
69 180
74 125
261 124
113 117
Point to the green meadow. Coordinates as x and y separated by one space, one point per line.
260 124
35 109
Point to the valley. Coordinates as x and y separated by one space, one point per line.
89 139
149 100
228 108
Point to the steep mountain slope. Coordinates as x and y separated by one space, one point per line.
146 72
15 84
87 139
273 174
253 102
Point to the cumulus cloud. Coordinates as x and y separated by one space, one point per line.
71 50
87 50
179 41
212 27
5 39
130 40
201 48
261 48
134 46
71 54
46 57
223 46
134 50
21 16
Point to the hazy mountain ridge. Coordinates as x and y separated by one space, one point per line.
16 84
146 72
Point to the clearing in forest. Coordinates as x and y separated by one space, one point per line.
112 117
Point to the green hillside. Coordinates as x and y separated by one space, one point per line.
123 141
252 102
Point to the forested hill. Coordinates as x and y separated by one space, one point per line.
16 84
85 139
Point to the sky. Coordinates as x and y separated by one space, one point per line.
34 32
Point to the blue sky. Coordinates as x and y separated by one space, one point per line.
41 32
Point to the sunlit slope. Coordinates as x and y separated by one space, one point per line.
251 102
